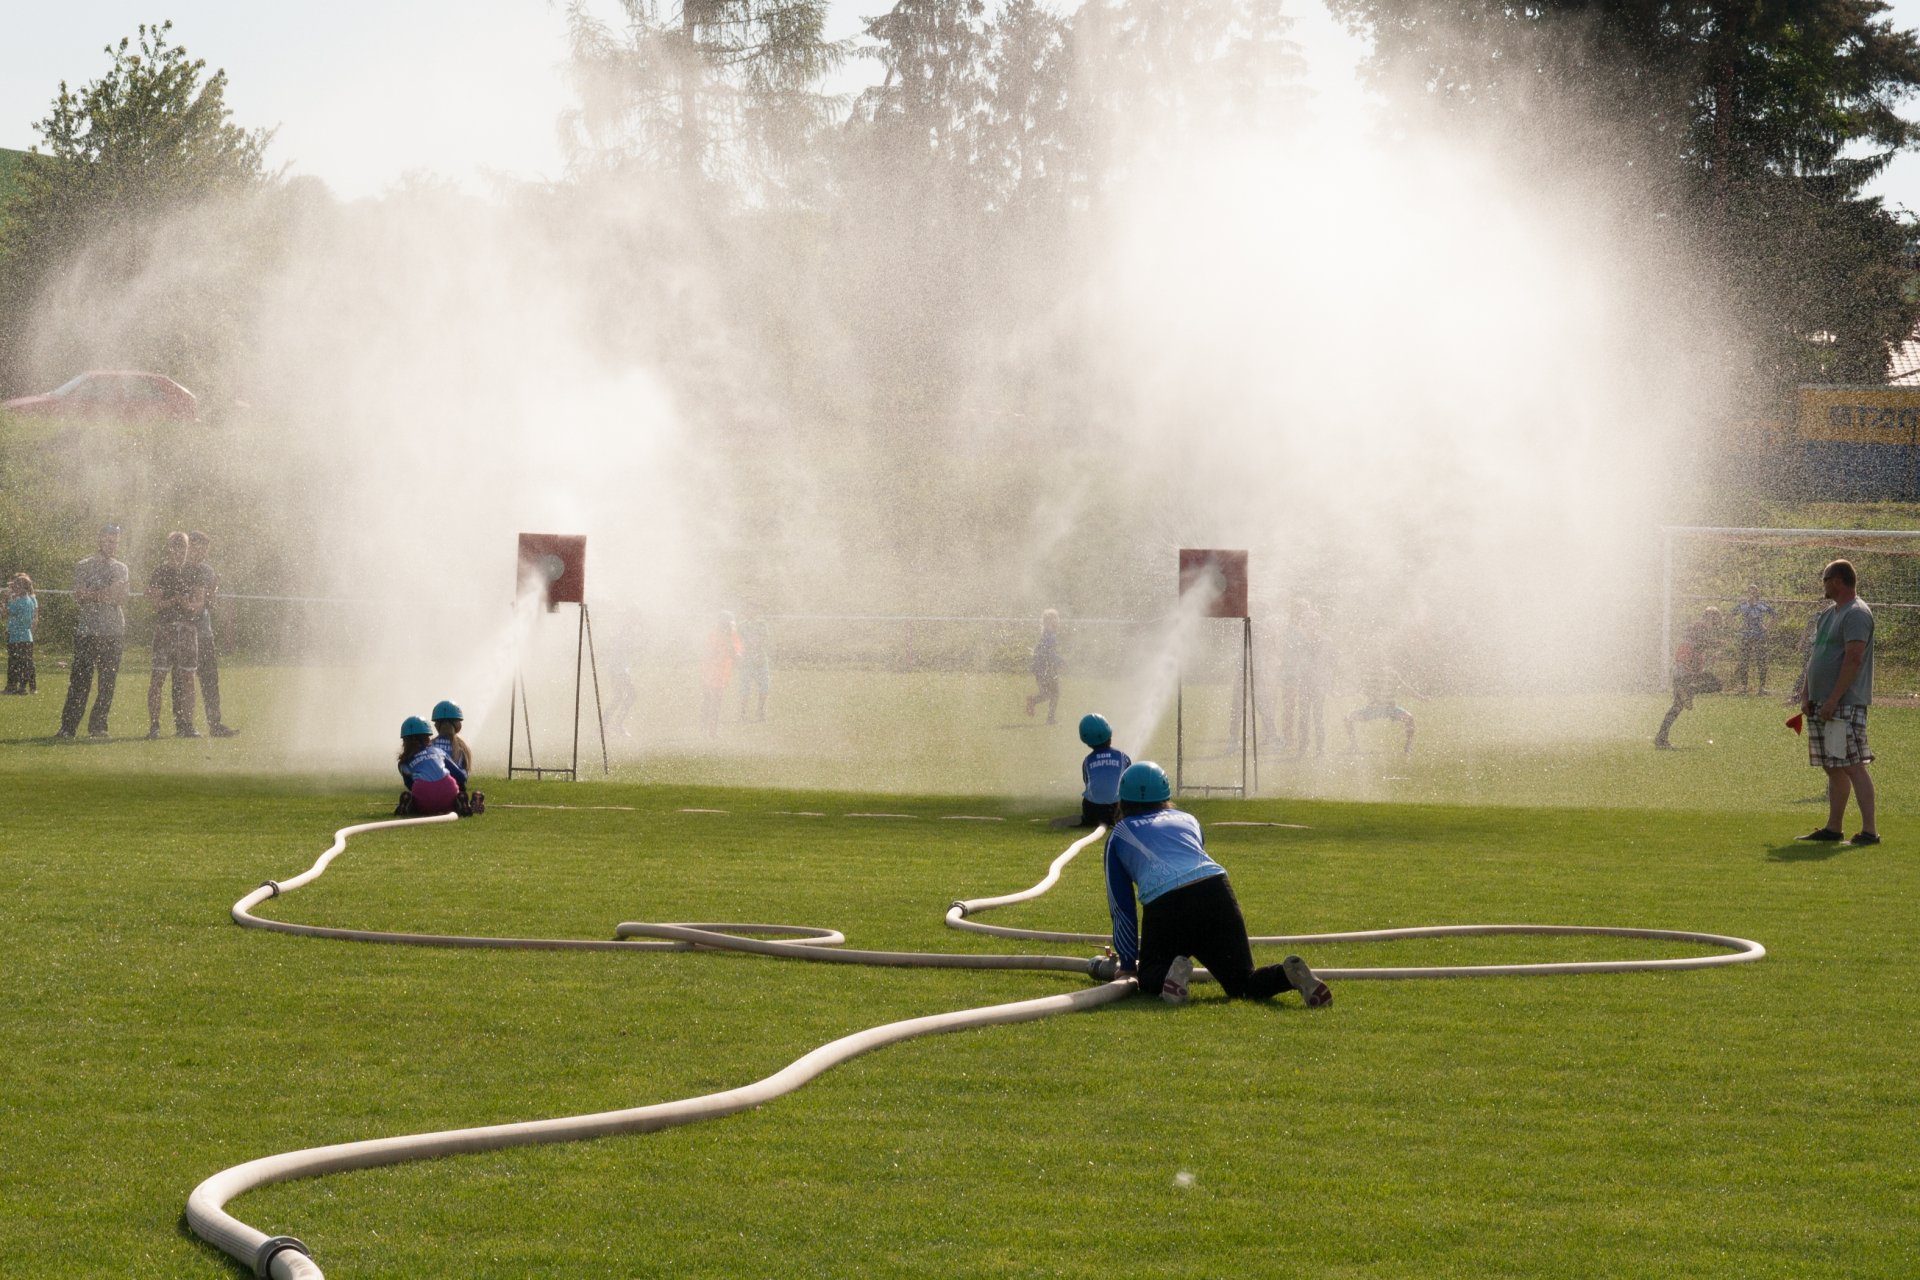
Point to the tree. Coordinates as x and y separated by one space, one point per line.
1028 135
1752 125
123 155
723 93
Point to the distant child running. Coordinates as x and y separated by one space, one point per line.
1188 911
22 608
447 719
1045 665
433 781
1690 674
1100 771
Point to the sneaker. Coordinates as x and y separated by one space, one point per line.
1823 834
188 732
223 731
479 803
1865 837
1661 744
1179 975
95 733
64 735
1315 992
153 732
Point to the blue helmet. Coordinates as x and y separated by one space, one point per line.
1094 730
414 726
444 710
1145 782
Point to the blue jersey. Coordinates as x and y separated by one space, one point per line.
1753 617
1101 771
20 614
1152 854
430 764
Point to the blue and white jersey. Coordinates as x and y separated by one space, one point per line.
430 764
1753 617
1151 854
1101 771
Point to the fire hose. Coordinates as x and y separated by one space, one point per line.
284 1257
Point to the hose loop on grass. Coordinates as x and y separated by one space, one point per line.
286 1258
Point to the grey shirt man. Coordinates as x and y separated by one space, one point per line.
1835 628
100 612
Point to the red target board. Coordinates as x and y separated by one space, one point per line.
556 562
1221 574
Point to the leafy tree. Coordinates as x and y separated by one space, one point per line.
723 93
119 158
1164 74
1029 139
1752 125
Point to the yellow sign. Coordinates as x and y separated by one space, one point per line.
1860 415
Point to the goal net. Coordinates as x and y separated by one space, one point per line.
1721 566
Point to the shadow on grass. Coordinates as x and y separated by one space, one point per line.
1807 851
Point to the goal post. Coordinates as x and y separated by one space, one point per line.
1713 565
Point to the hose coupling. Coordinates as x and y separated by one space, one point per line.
274 886
269 1249
960 906
1105 968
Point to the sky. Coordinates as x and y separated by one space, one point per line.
366 92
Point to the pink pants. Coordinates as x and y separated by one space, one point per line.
435 797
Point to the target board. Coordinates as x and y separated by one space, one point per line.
1221 574
556 562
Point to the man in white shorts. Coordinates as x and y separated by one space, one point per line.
1839 688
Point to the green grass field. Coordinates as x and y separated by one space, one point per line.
1755 1120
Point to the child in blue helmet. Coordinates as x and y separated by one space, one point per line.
447 719
433 781
1100 771
1188 911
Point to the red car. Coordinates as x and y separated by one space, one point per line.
112 394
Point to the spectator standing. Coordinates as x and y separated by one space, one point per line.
1754 614
756 666
198 547
1839 688
100 634
177 599
1691 659
1045 665
1313 676
723 650
22 608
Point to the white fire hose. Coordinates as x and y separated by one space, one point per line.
286 1258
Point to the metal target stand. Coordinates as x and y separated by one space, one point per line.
558 563
1249 729
1223 575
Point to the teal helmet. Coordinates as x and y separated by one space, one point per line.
414 726
444 710
1094 729
1145 783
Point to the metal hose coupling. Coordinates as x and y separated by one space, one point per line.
272 887
1104 968
272 1247
959 906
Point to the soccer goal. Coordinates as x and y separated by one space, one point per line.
1703 565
